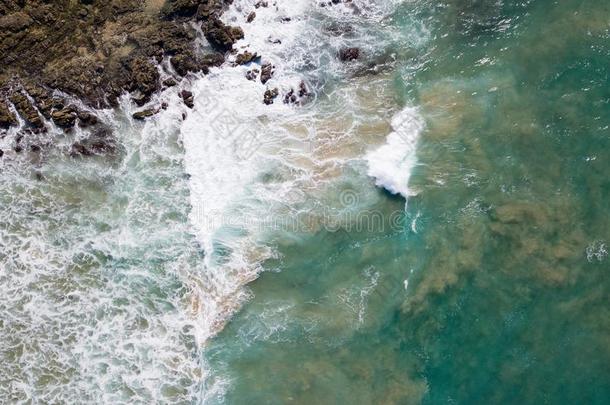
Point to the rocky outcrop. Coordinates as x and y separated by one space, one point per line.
188 98
267 71
270 95
64 118
7 118
141 115
221 37
246 57
97 50
26 110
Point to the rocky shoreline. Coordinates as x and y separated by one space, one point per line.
62 60
95 51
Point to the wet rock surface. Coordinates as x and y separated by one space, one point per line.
97 50
349 54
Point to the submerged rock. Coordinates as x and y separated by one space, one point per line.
101 142
349 54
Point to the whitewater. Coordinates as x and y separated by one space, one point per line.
117 273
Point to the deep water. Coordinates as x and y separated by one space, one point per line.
504 246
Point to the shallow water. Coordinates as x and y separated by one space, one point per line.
245 255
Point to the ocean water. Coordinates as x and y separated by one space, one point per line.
427 225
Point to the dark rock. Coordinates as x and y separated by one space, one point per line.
290 97
65 118
213 59
144 75
188 98
187 62
267 71
169 82
42 97
26 110
221 36
1 153
86 119
141 115
252 74
245 57
270 95
349 54
7 118
251 17
179 8
262 3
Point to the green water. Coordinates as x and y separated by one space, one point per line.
504 246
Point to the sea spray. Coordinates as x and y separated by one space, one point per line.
392 163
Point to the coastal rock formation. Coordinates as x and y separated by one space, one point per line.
97 50
221 36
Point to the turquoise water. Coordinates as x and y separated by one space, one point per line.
488 283
504 246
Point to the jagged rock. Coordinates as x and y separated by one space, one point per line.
42 97
290 97
26 110
188 98
267 71
245 57
252 74
270 95
86 119
144 75
169 82
349 54
213 59
141 115
7 118
251 17
221 36
98 50
65 118
262 3
15 22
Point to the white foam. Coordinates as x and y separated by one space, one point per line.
392 163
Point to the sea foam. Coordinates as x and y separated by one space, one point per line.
392 163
